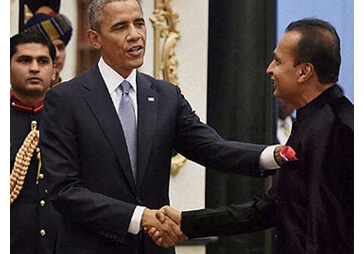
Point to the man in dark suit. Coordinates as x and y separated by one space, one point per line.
312 203
33 220
106 176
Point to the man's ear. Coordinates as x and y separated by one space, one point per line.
94 38
305 72
53 78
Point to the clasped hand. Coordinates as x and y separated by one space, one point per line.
163 226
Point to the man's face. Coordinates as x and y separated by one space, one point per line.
282 69
121 36
60 55
31 70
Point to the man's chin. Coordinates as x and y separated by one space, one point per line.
31 93
275 93
138 62
36 89
58 69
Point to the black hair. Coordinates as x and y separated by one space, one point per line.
31 37
94 11
319 45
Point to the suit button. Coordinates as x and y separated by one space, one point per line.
42 203
139 201
42 232
276 235
41 176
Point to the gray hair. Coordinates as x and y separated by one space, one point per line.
94 12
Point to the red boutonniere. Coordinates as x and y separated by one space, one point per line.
288 154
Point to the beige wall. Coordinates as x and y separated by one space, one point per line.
187 188
69 8
14 16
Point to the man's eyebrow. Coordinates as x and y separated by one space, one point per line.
42 57
120 23
276 56
140 19
23 56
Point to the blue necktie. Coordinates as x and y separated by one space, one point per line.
127 118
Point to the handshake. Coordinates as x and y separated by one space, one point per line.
163 226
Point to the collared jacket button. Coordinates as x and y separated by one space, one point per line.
138 200
42 203
42 232
41 176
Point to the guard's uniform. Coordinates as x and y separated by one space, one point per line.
33 220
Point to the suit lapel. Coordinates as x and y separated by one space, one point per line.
147 118
100 102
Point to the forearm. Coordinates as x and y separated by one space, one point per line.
222 155
235 219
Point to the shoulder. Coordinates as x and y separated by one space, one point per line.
156 83
343 112
73 87
333 116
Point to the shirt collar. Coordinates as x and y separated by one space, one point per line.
328 95
114 79
30 109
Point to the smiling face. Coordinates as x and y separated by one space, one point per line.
31 72
121 36
283 71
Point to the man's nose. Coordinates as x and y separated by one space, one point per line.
34 66
134 33
57 51
269 70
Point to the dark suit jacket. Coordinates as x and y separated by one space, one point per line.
312 203
87 162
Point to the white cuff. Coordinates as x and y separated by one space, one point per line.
267 160
134 226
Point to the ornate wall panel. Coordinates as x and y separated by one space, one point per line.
166 36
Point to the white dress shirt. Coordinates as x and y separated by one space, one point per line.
284 129
113 80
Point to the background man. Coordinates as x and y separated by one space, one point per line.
55 26
108 135
312 204
284 121
33 220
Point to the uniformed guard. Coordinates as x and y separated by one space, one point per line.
56 26
33 220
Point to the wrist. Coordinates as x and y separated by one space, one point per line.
145 215
277 155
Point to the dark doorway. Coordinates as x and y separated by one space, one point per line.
242 36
